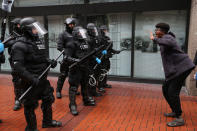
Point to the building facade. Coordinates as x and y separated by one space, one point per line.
129 22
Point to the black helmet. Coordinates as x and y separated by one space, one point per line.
79 33
29 23
103 29
69 21
16 21
15 25
92 29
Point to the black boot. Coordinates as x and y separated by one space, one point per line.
30 119
97 94
91 99
101 87
53 123
58 95
102 90
72 98
60 84
73 109
47 121
107 86
26 129
93 92
78 93
88 102
17 105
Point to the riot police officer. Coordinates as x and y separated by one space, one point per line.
94 42
15 34
106 62
29 61
75 51
64 38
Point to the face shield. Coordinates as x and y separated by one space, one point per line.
37 28
106 32
83 33
96 31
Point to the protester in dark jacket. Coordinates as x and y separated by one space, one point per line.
177 66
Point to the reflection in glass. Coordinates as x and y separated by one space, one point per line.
5 66
148 62
55 27
120 27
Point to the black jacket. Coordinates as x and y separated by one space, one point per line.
29 59
175 61
64 38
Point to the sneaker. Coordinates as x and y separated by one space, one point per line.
176 122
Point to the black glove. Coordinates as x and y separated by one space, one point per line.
70 59
117 52
35 82
52 62
2 58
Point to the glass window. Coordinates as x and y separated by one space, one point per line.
120 28
103 1
55 27
5 66
147 56
26 3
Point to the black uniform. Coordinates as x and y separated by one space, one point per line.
74 51
105 65
64 38
15 35
29 61
94 42
2 58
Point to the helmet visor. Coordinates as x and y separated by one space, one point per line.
83 33
40 29
96 31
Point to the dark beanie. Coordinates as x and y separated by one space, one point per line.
164 26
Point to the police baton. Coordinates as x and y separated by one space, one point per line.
11 37
39 77
86 57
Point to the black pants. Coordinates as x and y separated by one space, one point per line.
78 76
43 92
105 66
16 82
64 68
171 90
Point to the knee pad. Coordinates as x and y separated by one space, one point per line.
48 96
63 75
73 88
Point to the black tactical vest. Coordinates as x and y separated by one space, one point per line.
82 49
35 57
